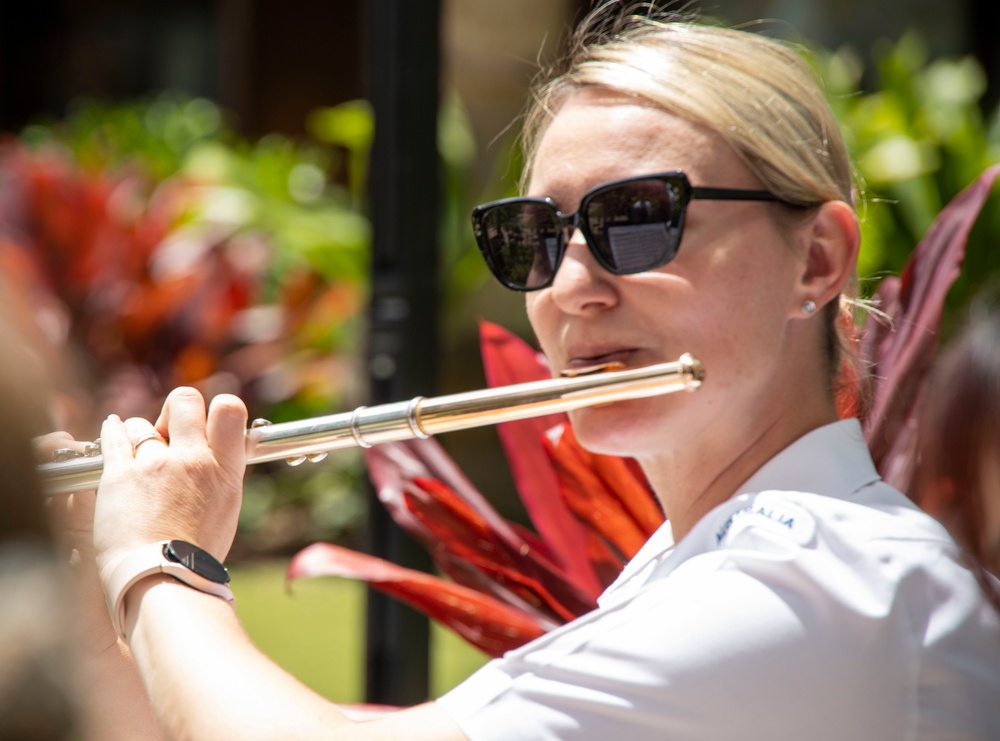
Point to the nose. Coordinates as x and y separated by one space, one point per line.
581 284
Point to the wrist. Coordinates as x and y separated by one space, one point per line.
174 559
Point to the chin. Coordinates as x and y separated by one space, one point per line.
625 428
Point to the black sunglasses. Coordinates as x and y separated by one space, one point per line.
630 225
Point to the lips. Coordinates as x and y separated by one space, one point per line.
587 357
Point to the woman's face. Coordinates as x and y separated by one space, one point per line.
727 297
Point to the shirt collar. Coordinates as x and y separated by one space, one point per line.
832 461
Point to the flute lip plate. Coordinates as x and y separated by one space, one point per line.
591 369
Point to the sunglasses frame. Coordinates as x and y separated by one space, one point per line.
674 180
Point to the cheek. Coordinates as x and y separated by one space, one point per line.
741 299
747 270
531 309
539 316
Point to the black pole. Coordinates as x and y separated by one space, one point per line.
984 20
403 63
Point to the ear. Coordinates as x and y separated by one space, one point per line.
833 239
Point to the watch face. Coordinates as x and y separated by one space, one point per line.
198 560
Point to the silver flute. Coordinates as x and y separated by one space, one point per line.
421 417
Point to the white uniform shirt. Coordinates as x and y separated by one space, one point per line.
817 603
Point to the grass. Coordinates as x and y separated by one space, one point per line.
316 632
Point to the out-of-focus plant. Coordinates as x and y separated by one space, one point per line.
917 138
352 126
146 246
464 270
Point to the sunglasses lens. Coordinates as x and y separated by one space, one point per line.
520 241
634 226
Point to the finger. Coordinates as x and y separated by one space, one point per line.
54 440
74 516
226 430
183 417
48 444
115 444
146 441
81 503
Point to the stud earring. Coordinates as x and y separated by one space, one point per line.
808 307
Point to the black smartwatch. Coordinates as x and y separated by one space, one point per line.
183 561
197 560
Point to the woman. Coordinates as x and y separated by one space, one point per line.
793 595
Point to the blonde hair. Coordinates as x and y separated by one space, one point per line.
756 93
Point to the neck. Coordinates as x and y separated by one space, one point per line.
691 485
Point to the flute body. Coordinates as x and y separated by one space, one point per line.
423 417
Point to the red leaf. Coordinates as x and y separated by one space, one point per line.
483 621
392 466
605 493
458 539
512 360
902 355
430 499
507 359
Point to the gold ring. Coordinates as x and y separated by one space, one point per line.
146 438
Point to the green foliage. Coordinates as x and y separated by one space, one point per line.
352 126
277 187
457 146
156 134
315 631
917 138
286 507
248 260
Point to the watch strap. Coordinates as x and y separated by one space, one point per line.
129 568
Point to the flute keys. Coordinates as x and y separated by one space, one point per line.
296 460
65 454
90 450
261 422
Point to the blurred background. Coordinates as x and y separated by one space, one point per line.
187 197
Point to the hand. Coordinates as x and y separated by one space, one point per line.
190 488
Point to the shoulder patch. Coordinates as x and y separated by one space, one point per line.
772 513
